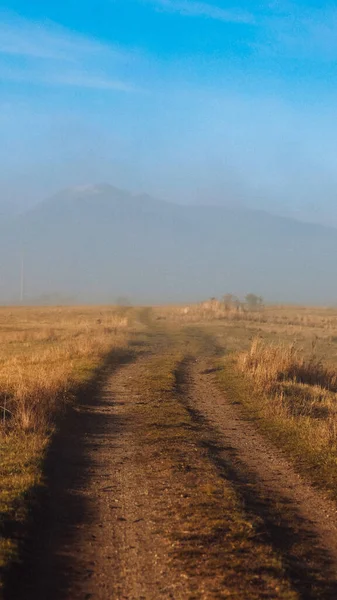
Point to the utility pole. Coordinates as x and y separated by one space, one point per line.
22 283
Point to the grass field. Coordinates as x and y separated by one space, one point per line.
279 363
46 356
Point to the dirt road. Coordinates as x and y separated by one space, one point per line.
157 487
300 522
97 537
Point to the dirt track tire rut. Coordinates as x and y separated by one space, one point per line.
96 536
297 519
111 526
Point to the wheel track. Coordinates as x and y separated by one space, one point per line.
95 533
100 534
298 520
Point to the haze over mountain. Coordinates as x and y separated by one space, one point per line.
196 102
96 243
8 210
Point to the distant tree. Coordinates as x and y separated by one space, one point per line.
254 302
230 301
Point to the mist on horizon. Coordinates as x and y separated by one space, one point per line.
195 103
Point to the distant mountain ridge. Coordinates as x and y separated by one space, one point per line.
95 243
8 211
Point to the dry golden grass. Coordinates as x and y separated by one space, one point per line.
272 366
292 393
45 354
295 387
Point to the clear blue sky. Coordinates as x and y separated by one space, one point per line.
205 101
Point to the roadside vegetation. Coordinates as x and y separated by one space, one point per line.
253 313
46 356
294 398
281 365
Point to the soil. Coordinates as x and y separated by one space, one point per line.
97 535
95 530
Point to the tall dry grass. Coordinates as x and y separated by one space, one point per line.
272 366
44 353
296 398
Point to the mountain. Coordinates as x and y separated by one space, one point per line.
7 211
96 243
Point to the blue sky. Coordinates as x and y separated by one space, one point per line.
192 101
